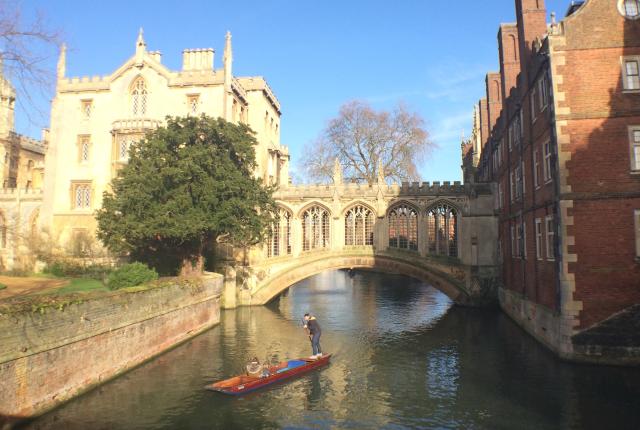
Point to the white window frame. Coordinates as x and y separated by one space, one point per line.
546 150
519 240
543 89
550 237
532 104
636 218
536 170
622 8
82 195
634 148
625 75
523 243
519 189
524 181
193 104
512 186
538 233
86 106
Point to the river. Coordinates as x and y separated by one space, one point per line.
404 357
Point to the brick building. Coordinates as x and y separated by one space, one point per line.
560 136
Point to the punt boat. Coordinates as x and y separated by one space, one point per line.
289 369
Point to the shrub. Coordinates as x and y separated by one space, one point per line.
130 275
64 268
2 286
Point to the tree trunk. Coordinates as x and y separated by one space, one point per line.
192 267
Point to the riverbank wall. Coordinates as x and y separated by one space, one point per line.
53 351
614 341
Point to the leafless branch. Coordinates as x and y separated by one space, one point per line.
361 137
25 48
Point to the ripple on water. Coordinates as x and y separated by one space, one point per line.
404 358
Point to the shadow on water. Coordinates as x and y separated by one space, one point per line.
404 358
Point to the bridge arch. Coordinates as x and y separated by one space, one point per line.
274 284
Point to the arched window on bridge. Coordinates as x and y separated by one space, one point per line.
442 224
280 234
358 226
315 228
403 228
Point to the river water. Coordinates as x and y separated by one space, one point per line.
404 357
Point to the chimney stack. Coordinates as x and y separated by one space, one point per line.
197 59
509 52
532 23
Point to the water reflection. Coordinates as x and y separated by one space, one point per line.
404 358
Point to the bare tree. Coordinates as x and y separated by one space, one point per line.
364 140
25 47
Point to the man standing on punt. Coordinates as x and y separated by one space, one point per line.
313 328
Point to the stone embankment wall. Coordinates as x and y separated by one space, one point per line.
50 354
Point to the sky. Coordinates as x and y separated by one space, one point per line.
431 55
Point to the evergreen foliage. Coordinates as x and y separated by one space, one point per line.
186 186
130 275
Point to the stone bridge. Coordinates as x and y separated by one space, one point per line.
443 234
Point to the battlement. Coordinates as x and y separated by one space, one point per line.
258 83
435 188
13 193
135 124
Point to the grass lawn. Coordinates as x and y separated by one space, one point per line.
81 285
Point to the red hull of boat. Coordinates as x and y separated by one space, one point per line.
244 384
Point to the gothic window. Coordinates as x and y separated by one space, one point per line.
139 97
280 234
315 228
193 101
30 164
123 147
403 227
84 145
81 195
442 224
358 225
86 106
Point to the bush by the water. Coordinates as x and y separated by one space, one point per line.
130 275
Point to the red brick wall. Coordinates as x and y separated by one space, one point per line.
603 190
92 341
508 53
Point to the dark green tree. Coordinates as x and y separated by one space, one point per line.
186 186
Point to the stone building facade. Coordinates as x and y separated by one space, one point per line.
22 176
564 151
95 120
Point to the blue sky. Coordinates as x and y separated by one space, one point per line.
432 55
